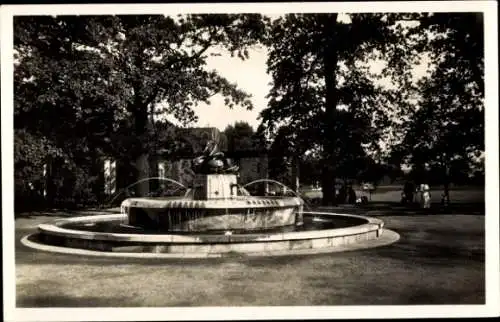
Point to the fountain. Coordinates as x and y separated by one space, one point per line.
216 202
215 217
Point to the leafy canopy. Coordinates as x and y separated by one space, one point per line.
446 129
325 91
93 86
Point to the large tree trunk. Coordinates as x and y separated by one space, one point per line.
328 187
330 58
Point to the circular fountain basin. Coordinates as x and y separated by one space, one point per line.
245 213
109 235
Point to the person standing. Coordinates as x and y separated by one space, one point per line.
408 192
425 196
342 195
351 195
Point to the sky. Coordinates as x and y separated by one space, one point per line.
250 75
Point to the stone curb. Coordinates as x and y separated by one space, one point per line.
387 238
372 224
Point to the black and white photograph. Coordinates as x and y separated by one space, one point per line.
248 161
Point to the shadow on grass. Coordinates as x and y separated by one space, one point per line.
448 297
404 274
383 292
71 301
48 292
31 215
65 212
431 253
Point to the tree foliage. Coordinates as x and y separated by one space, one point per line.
89 87
324 91
242 137
94 84
445 133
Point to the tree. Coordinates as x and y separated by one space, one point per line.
95 84
446 130
45 108
319 66
283 162
242 137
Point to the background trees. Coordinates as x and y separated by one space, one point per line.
242 137
94 85
445 132
324 91
350 84
344 92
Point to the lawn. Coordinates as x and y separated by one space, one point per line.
438 260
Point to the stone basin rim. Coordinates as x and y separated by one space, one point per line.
387 238
372 224
222 203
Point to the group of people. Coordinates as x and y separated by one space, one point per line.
423 190
346 194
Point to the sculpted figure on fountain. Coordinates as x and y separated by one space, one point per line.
212 161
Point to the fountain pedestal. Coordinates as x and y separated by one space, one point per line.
215 186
